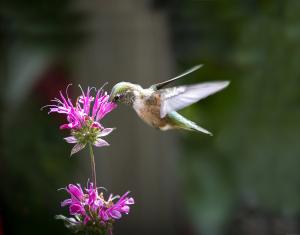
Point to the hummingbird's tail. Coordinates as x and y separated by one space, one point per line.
181 122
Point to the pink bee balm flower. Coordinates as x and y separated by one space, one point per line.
84 117
91 210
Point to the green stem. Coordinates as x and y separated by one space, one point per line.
93 165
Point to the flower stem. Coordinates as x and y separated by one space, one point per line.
93 165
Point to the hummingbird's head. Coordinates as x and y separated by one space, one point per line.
124 92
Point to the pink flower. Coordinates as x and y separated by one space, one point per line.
121 206
83 117
92 208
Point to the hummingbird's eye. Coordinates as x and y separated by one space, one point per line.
117 98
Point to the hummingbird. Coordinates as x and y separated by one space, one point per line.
157 105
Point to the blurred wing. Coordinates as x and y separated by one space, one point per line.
162 84
176 98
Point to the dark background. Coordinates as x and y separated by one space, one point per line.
244 180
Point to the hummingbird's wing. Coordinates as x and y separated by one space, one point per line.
176 98
160 85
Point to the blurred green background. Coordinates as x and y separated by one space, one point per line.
244 180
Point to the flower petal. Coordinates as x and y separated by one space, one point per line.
77 147
97 125
115 214
70 125
76 191
129 201
103 215
101 143
86 219
76 209
106 132
71 140
125 209
66 202
92 194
